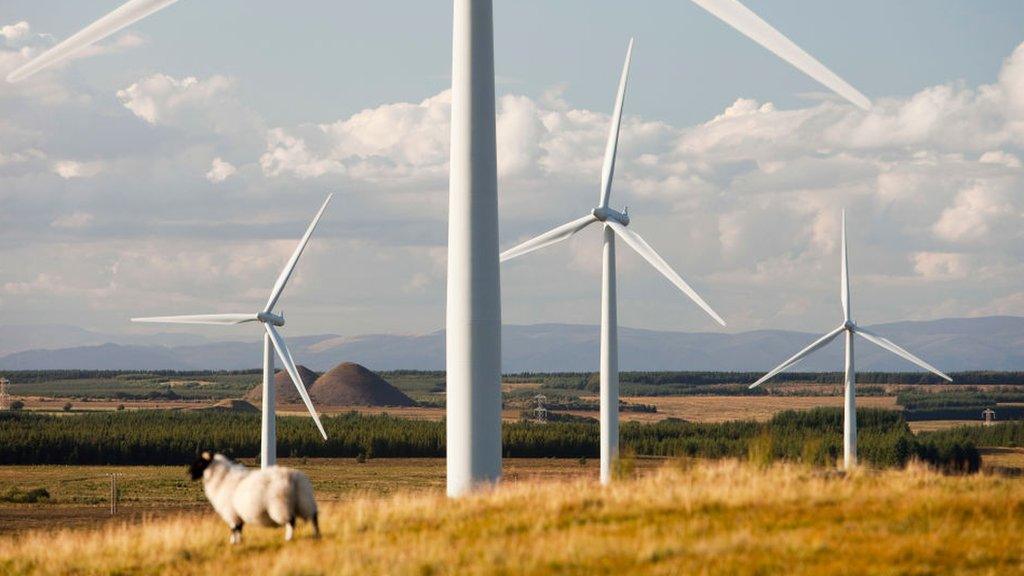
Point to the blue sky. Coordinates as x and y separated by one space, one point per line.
340 57
169 172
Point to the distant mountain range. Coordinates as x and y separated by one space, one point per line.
954 344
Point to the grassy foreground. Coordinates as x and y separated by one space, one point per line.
706 518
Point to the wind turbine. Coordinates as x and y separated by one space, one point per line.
849 328
473 312
615 223
271 341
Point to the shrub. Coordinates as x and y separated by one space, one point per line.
16 496
67 407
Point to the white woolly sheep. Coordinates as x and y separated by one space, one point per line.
275 496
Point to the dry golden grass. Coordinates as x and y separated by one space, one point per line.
726 408
935 425
708 518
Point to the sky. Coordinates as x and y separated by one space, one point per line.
171 169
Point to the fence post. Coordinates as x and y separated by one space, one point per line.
113 494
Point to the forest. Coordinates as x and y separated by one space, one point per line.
175 437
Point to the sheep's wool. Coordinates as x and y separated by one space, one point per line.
275 496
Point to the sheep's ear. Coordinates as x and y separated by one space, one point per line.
207 456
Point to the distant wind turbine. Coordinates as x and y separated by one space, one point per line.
849 328
615 223
271 341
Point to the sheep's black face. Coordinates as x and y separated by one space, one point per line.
200 465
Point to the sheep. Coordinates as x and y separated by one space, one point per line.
274 496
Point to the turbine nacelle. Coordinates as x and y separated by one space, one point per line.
270 318
604 214
850 325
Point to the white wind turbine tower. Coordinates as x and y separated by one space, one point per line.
849 328
615 224
473 311
271 341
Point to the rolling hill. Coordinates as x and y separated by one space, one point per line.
989 343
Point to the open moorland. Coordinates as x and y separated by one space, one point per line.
646 396
79 496
75 429
684 518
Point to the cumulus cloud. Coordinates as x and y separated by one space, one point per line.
1000 157
14 33
976 212
941 265
160 99
68 169
392 141
220 170
194 106
748 199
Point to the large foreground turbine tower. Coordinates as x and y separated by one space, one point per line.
473 314
848 328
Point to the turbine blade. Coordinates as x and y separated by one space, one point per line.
845 275
215 319
636 242
752 26
290 266
127 14
289 364
548 238
820 342
897 350
612 147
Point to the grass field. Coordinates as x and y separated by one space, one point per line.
80 495
691 408
685 518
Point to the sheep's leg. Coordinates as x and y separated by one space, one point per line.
289 530
236 533
316 525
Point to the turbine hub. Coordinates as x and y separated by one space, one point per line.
270 318
605 214
849 325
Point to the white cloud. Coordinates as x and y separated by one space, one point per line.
288 155
159 98
1000 157
21 156
941 265
68 169
408 141
975 214
220 170
192 105
748 199
13 33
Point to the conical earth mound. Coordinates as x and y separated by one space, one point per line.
349 384
285 392
232 405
